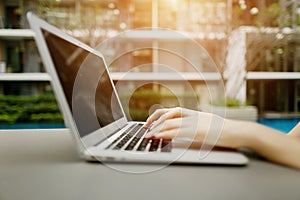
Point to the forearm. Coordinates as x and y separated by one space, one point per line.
269 143
295 131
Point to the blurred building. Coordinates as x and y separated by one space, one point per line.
210 24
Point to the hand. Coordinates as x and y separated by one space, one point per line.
214 130
185 123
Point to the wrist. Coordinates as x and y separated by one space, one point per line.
240 134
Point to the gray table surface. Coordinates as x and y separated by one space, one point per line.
43 164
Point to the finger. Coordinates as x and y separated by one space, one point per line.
176 133
154 131
155 134
155 116
169 134
167 125
172 133
174 113
180 128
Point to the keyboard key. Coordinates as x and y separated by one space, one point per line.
122 135
143 144
166 145
133 136
127 137
154 145
136 139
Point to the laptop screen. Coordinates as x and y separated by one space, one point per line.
86 84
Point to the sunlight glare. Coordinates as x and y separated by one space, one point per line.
174 4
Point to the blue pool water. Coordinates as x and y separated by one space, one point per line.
32 126
282 124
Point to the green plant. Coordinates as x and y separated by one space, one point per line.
141 101
273 16
29 109
229 102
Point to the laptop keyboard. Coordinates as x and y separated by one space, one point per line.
133 139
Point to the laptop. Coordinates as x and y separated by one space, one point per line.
92 110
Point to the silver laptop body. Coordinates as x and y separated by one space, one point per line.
93 112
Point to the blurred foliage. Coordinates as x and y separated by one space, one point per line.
138 105
229 102
29 109
44 108
270 17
